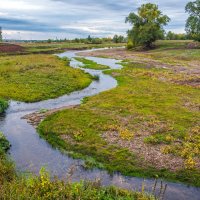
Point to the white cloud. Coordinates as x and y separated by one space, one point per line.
38 19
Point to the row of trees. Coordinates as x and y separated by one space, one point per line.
148 25
88 40
93 40
119 39
177 36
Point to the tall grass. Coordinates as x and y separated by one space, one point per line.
17 187
43 187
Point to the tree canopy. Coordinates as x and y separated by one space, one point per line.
147 25
119 39
193 21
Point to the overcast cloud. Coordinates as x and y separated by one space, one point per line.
43 19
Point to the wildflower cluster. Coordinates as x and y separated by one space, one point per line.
188 149
123 132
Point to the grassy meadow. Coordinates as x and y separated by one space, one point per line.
148 126
32 78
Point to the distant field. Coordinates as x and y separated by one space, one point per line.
28 48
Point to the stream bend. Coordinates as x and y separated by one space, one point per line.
30 152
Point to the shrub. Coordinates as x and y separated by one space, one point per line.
4 143
3 105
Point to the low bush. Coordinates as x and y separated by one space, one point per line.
3 105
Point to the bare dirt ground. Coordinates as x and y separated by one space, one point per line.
10 48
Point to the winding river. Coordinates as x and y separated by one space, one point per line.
30 152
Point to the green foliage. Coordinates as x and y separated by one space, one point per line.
91 64
193 22
176 36
67 60
4 143
130 44
33 78
96 77
3 105
89 38
7 171
147 25
49 41
119 39
43 188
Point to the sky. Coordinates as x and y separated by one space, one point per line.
44 19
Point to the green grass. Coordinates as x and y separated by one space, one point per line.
32 78
4 144
44 188
3 105
7 169
141 103
89 64
174 52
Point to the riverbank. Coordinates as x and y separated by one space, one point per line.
15 186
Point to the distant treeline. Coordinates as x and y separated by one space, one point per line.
115 39
119 39
177 36
88 40
92 40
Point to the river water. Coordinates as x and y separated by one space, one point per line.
30 152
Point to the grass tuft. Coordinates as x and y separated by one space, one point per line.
89 64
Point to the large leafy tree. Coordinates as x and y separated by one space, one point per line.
193 22
147 25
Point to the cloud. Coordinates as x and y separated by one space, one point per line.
78 18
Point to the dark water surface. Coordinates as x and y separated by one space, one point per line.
30 152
